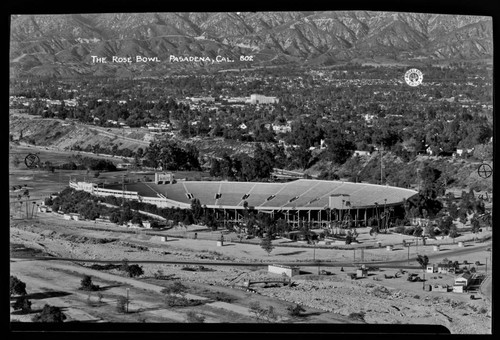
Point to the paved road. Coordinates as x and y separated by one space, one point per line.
386 264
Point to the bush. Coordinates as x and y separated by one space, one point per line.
121 304
17 287
23 304
295 310
261 313
357 316
50 314
180 301
399 229
175 287
192 317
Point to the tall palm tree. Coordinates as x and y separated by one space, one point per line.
423 261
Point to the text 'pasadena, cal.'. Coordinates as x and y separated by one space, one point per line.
172 59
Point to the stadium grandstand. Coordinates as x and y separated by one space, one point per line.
315 201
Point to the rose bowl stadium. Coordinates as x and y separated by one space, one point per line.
316 201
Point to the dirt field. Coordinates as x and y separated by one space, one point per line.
327 298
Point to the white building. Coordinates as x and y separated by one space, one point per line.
280 269
260 99
361 153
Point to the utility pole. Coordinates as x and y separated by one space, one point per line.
408 252
127 299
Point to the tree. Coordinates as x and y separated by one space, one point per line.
196 209
50 314
267 244
135 270
17 287
86 284
422 260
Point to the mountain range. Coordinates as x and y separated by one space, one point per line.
62 45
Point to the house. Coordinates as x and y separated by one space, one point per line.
458 289
443 268
431 268
463 280
75 217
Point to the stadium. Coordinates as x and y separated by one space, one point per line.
315 201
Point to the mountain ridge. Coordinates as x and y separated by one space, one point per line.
62 45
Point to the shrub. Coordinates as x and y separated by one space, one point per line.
121 304
399 229
23 304
180 301
17 287
192 317
175 287
295 310
357 316
261 313
50 314
416 296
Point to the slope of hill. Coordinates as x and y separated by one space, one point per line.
62 45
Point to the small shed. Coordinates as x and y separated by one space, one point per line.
361 272
440 288
458 289
282 269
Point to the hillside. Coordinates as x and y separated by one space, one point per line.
52 132
62 45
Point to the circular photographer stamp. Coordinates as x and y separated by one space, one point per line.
32 161
414 77
484 170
